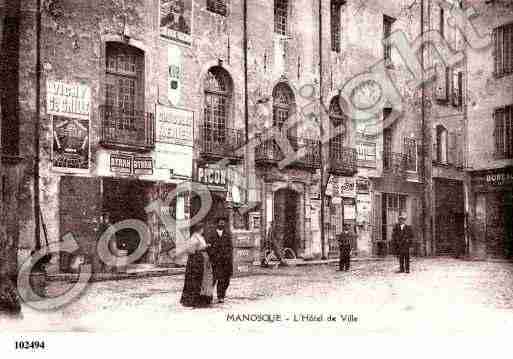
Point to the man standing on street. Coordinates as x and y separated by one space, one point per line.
402 237
221 256
344 242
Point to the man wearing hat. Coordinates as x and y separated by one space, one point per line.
402 237
221 256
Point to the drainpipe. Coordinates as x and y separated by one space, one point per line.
37 233
245 53
321 130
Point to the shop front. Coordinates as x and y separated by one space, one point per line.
491 217
390 199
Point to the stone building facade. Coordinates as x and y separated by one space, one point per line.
138 96
489 145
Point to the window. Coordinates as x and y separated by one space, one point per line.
387 31
338 119
441 144
281 8
457 88
218 91
335 25
217 6
410 150
503 118
283 104
503 50
124 88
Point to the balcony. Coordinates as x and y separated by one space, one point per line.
127 130
267 152
394 164
342 160
220 143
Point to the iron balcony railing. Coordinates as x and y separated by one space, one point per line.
342 160
219 143
394 163
304 151
127 129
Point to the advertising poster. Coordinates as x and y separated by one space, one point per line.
176 20
68 104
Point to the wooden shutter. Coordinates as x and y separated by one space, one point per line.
498 116
452 142
376 217
459 150
434 139
441 83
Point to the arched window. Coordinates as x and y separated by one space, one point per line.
339 121
281 8
124 89
218 92
283 104
441 144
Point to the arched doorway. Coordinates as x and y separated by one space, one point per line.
287 218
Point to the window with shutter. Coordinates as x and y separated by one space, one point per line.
387 31
503 132
441 82
410 150
281 8
441 144
452 148
503 50
218 6
335 25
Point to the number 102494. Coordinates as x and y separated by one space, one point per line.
30 345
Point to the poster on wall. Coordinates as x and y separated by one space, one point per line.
70 150
69 107
176 20
175 126
175 74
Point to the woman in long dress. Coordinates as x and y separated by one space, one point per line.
198 284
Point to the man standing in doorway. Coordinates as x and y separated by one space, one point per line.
221 256
402 237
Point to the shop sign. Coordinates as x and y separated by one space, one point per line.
176 20
366 153
342 187
500 179
127 164
362 185
68 99
215 176
174 126
120 163
143 165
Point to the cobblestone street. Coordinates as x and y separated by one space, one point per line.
439 296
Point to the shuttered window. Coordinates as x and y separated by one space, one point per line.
387 31
335 25
217 6
503 118
281 8
503 50
410 150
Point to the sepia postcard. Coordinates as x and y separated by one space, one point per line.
255 167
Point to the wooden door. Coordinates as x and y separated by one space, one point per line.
79 212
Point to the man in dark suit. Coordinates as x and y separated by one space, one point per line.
221 256
344 242
402 237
